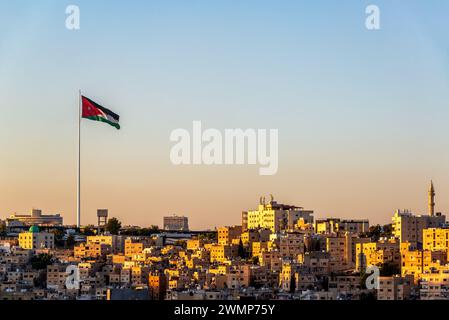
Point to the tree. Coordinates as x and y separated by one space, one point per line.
70 242
2 228
241 250
256 260
374 232
88 231
363 277
41 261
136 231
181 243
378 231
293 283
208 236
59 235
113 226
389 269
387 231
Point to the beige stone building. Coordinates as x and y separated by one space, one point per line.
36 218
334 225
92 250
221 253
436 239
56 276
226 235
133 248
291 245
435 284
409 228
275 216
339 248
395 288
34 239
377 253
116 243
414 262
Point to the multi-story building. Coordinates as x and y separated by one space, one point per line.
317 263
194 244
395 288
250 236
435 284
287 276
34 239
345 285
283 257
339 248
271 259
229 235
36 218
92 250
326 226
56 276
297 217
291 245
139 276
377 253
276 217
244 220
258 247
133 248
176 223
353 226
414 262
116 243
334 225
239 277
157 284
436 239
409 228
221 253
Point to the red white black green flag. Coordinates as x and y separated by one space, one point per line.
93 111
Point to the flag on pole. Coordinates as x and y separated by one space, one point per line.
93 111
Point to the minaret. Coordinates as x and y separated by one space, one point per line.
431 200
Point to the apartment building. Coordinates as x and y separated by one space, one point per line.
157 284
221 253
292 245
436 239
339 248
377 253
276 217
229 235
395 288
409 228
334 225
34 239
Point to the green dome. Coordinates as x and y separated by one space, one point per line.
34 229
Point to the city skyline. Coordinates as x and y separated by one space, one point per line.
224 158
361 114
278 252
431 211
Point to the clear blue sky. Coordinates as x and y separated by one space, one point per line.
362 115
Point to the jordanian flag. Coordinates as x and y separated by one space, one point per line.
93 111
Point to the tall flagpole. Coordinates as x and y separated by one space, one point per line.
78 205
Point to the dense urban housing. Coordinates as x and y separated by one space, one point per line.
278 251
